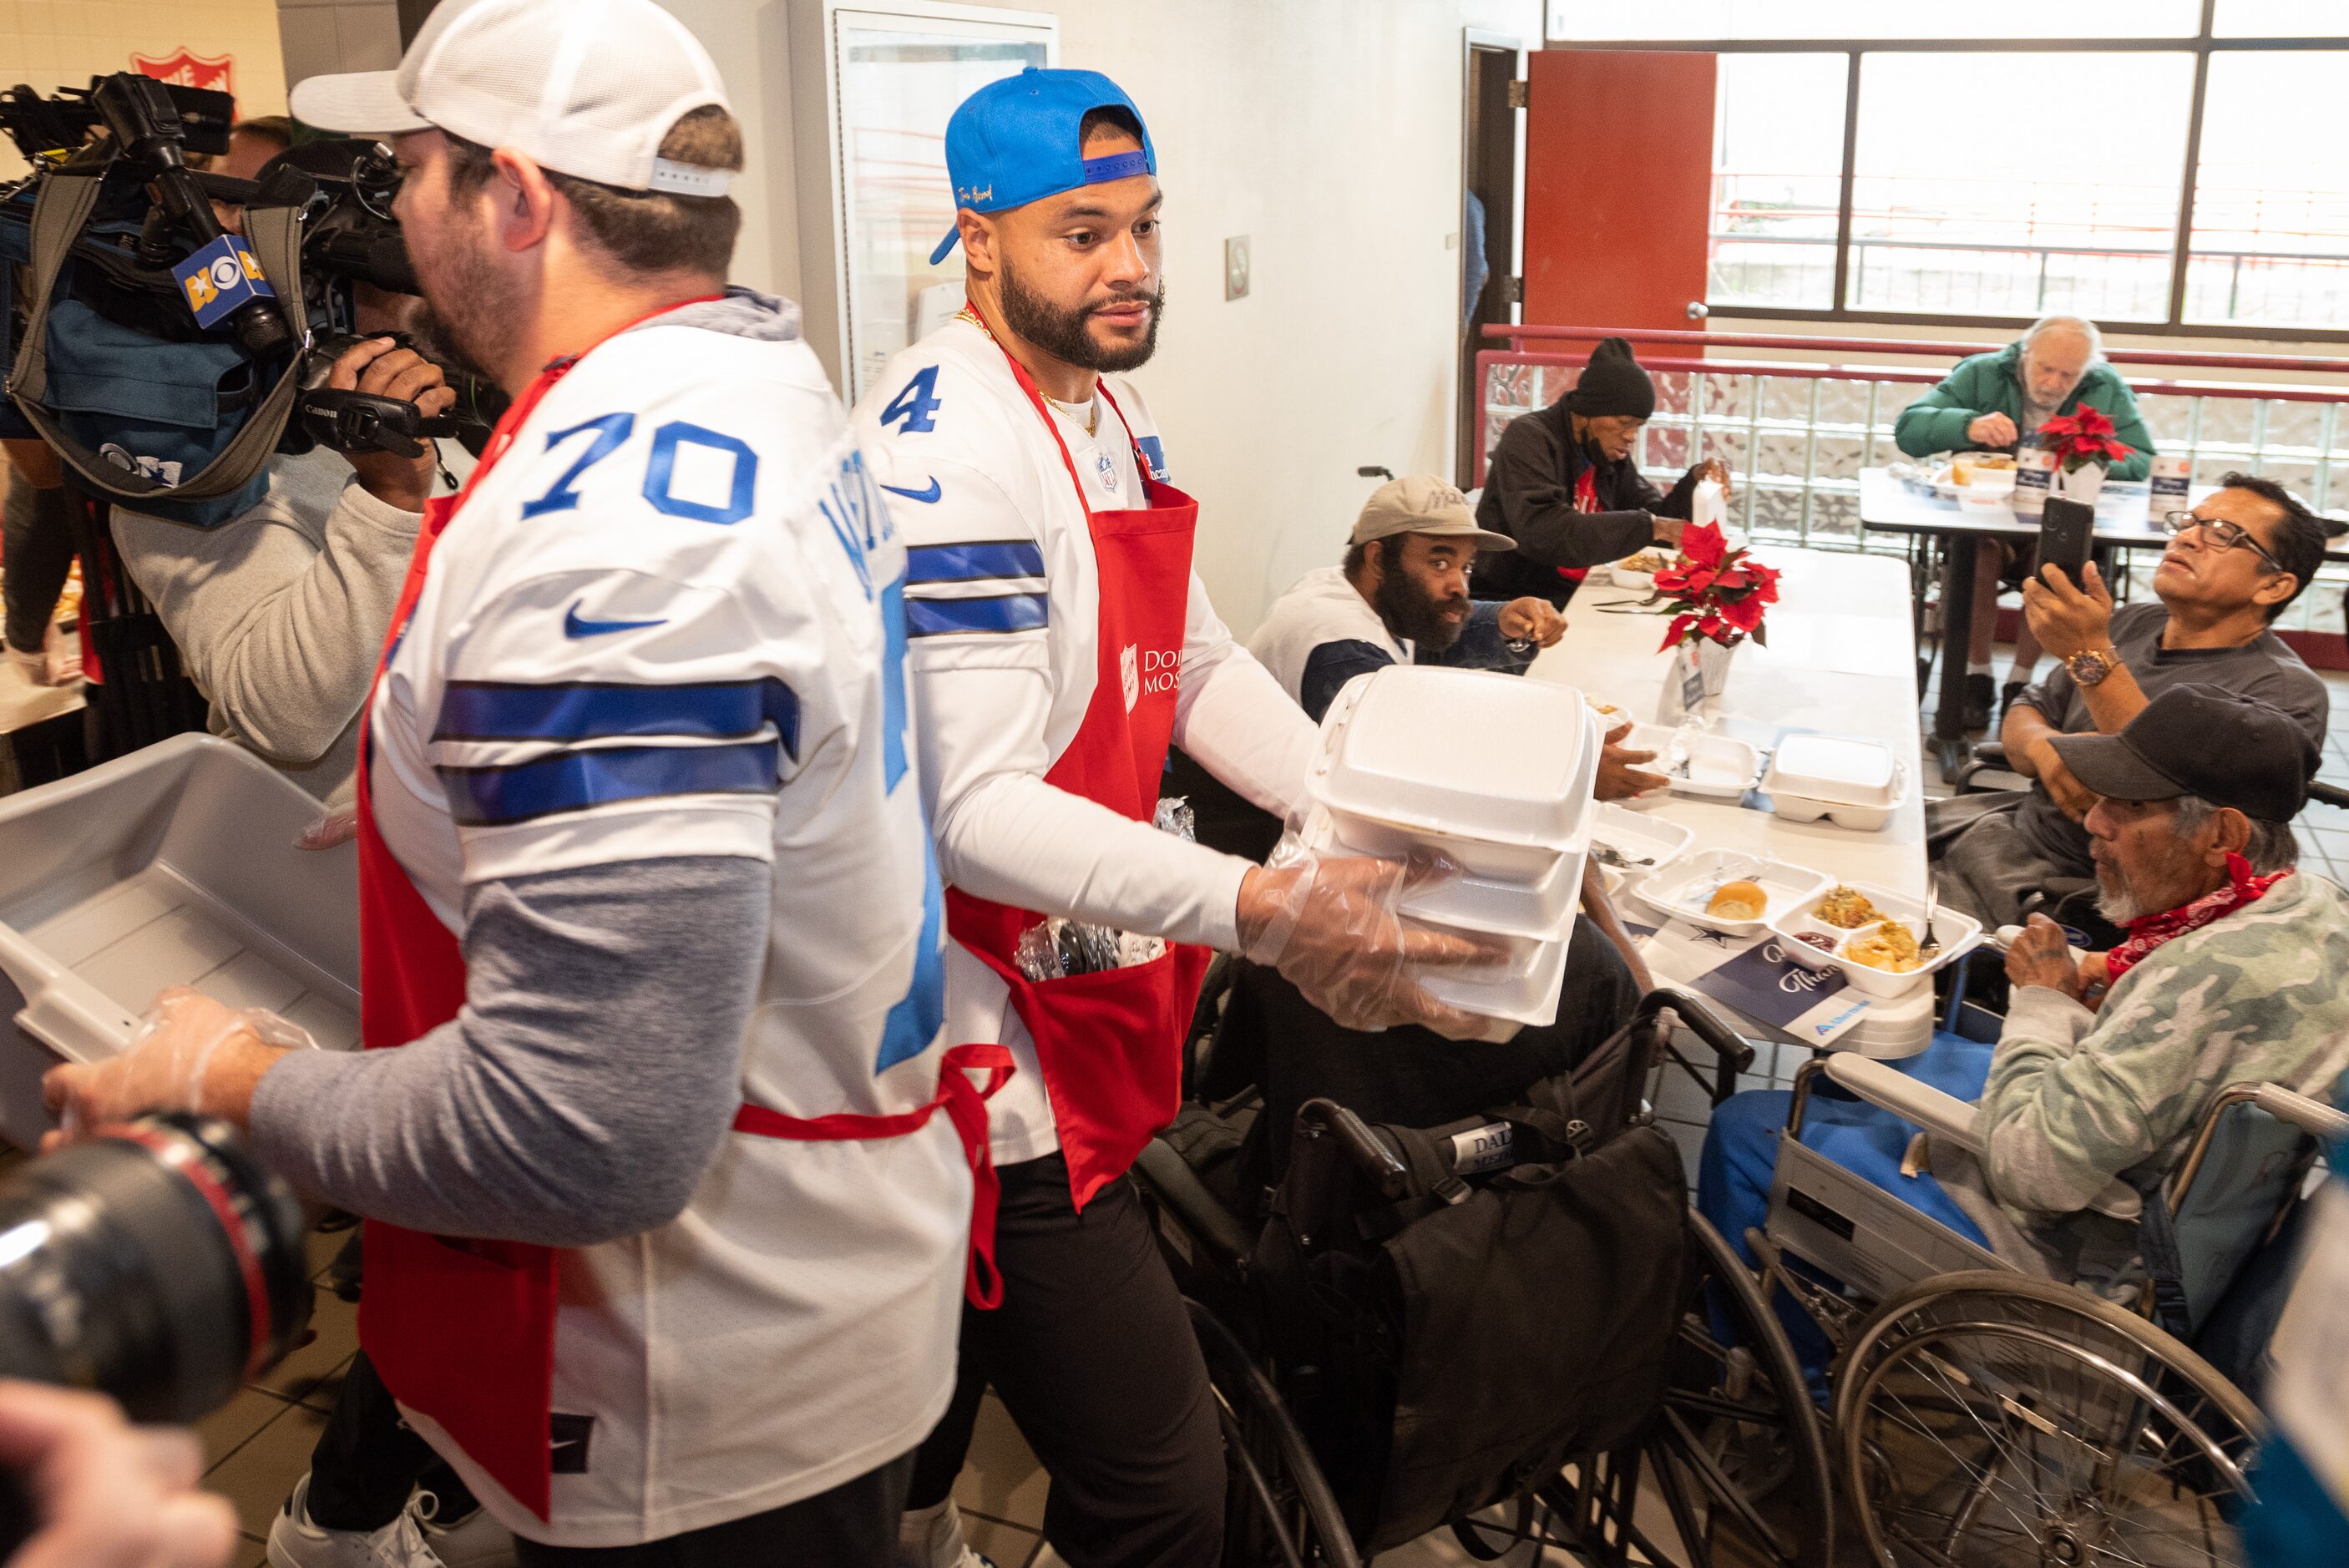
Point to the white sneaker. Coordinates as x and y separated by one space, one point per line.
295 1542
932 1538
472 1540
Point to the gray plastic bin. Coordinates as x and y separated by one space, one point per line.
175 865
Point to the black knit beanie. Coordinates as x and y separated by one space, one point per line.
1612 383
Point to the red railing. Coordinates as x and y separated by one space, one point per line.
1519 335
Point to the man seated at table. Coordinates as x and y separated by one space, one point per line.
1989 403
2230 973
2241 556
1563 486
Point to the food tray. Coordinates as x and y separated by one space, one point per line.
1957 932
1713 766
175 865
1638 836
1527 995
1460 754
1680 889
1505 906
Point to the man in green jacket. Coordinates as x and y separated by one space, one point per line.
1989 403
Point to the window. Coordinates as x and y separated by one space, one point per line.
1778 181
2270 240
2014 184
2036 162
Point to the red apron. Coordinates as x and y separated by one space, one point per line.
1110 1043
463 1330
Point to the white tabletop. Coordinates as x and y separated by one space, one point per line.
1842 660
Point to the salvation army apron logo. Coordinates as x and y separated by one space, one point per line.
1129 670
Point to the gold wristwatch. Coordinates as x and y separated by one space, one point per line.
2089 668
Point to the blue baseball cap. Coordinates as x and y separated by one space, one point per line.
1016 141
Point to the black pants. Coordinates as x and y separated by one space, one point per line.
1091 1353
36 542
854 1525
366 1462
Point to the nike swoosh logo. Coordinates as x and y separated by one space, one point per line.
574 626
924 496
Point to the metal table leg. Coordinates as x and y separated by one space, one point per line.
1950 743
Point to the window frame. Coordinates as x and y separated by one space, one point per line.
2202 45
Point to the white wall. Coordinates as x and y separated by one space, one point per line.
1326 131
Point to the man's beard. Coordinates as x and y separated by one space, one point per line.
1414 614
2115 900
464 324
1063 335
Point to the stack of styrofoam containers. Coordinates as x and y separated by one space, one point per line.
1494 772
176 865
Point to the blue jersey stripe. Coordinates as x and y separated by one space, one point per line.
974 561
595 710
1000 612
575 780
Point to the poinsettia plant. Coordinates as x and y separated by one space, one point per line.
1715 593
2081 438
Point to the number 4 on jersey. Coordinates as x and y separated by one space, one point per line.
915 404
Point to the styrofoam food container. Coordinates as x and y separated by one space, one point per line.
1683 888
1492 770
175 865
1855 782
1716 765
1527 995
1638 836
1507 906
1959 932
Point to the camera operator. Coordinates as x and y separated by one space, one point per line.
279 613
104 1493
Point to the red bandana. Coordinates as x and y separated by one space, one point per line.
2149 932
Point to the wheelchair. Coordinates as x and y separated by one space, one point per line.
1357 1442
1978 1415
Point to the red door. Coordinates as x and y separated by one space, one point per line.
1619 187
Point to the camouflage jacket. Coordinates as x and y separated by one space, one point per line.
2075 1097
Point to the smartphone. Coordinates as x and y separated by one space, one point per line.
2067 531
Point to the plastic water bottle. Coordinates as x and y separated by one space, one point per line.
2034 473
2168 487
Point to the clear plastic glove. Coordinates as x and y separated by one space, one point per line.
1333 928
337 825
186 1042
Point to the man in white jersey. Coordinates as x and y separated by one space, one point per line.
665 1241
1058 640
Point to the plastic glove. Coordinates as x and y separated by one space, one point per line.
339 825
185 1040
1332 929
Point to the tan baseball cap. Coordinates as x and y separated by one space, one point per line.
1422 503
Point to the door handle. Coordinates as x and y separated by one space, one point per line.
1696 311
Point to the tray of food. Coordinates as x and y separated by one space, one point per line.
1637 570
1876 936
1730 891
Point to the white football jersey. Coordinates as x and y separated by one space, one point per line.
668 623
1001 578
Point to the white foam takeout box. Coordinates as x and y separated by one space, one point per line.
1492 770
1958 933
1853 783
1683 888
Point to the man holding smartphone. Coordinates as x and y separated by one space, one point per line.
2232 566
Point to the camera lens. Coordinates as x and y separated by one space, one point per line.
158 1262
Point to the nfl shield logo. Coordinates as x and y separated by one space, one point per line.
1108 466
190 70
1128 669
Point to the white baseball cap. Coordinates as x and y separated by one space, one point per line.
585 87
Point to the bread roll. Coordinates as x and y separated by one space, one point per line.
1738 901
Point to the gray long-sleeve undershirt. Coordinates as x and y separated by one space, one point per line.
584 1089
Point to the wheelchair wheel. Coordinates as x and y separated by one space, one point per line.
1738 1450
1989 1419
1278 1511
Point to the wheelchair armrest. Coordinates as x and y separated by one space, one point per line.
1163 1167
1986 754
1697 1017
2318 1120
1944 1115
2327 794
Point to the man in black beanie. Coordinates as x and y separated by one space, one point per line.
1562 484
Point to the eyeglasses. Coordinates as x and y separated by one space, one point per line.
2225 535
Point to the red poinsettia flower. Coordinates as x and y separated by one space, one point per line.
1703 544
2083 436
1744 613
1715 593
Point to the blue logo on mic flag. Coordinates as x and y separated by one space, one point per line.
219 279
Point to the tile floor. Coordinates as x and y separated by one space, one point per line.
259 1444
